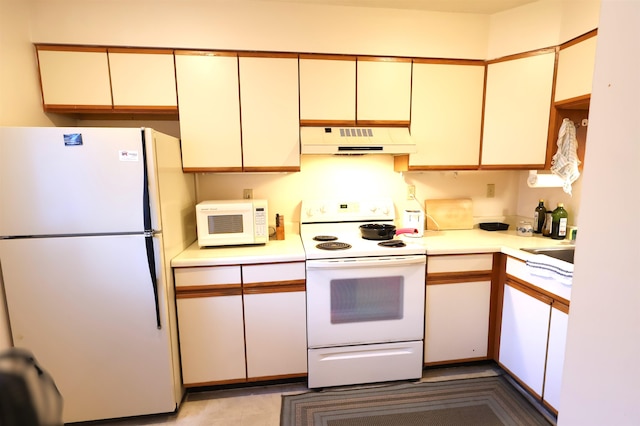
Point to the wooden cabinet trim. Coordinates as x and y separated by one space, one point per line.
212 169
71 48
528 54
579 39
511 166
438 278
444 61
138 50
382 59
274 287
562 307
285 169
76 108
158 109
218 290
328 57
383 123
267 55
529 289
205 53
327 123
579 103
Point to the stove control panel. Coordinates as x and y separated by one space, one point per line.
325 211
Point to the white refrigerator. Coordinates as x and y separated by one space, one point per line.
89 221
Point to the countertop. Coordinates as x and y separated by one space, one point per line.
435 242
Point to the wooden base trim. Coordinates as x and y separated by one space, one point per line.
455 361
549 407
277 377
521 383
215 383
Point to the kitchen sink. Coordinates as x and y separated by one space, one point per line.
561 253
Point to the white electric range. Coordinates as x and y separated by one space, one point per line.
365 301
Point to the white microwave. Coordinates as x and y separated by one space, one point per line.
232 222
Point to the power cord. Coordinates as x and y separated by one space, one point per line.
427 215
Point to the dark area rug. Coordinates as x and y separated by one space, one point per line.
484 401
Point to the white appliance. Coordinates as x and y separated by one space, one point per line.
89 221
413 218
232 222
356 140
365 301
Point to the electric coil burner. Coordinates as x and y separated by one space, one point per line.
365 298
333 245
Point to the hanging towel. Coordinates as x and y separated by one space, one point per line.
565 162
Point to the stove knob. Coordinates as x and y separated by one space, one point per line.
323 210
309 212
385 211
373 209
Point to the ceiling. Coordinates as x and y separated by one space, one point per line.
457 6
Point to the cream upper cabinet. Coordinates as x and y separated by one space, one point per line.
209 111
327 88
74 78
517 108
143 79
384 89
446 114
270 113
576 63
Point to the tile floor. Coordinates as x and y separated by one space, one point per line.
260 405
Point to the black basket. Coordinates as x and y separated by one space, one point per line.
494 226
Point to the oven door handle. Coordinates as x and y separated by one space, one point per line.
352 262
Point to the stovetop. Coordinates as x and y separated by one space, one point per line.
341 220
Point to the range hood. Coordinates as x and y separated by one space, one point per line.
356 140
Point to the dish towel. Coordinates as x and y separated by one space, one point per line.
548 267
565 162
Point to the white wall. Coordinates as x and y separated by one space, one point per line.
259 25
367 176
601 375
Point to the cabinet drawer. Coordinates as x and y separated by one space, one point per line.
273 272
459 263
206 276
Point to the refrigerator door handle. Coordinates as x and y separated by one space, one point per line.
148 233
151 259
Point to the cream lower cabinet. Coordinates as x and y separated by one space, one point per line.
210 324
555 355
524 334
241 323
517 110
275 319
458 300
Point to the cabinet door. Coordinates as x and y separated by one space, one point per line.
209 111
275 319
457 321
328 89
74 78
211 339
523 338
446 115
270 113
143 80
575 70
555 357
210 324
384 89
517 108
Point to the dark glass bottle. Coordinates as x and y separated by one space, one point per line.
538 217
559 224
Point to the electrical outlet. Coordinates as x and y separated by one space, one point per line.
411 192
491 190
247 194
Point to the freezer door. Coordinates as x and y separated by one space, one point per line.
85 307
59 181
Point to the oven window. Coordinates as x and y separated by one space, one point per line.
366 299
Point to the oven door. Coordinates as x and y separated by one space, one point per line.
353 301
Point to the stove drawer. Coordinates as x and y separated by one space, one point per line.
365 364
